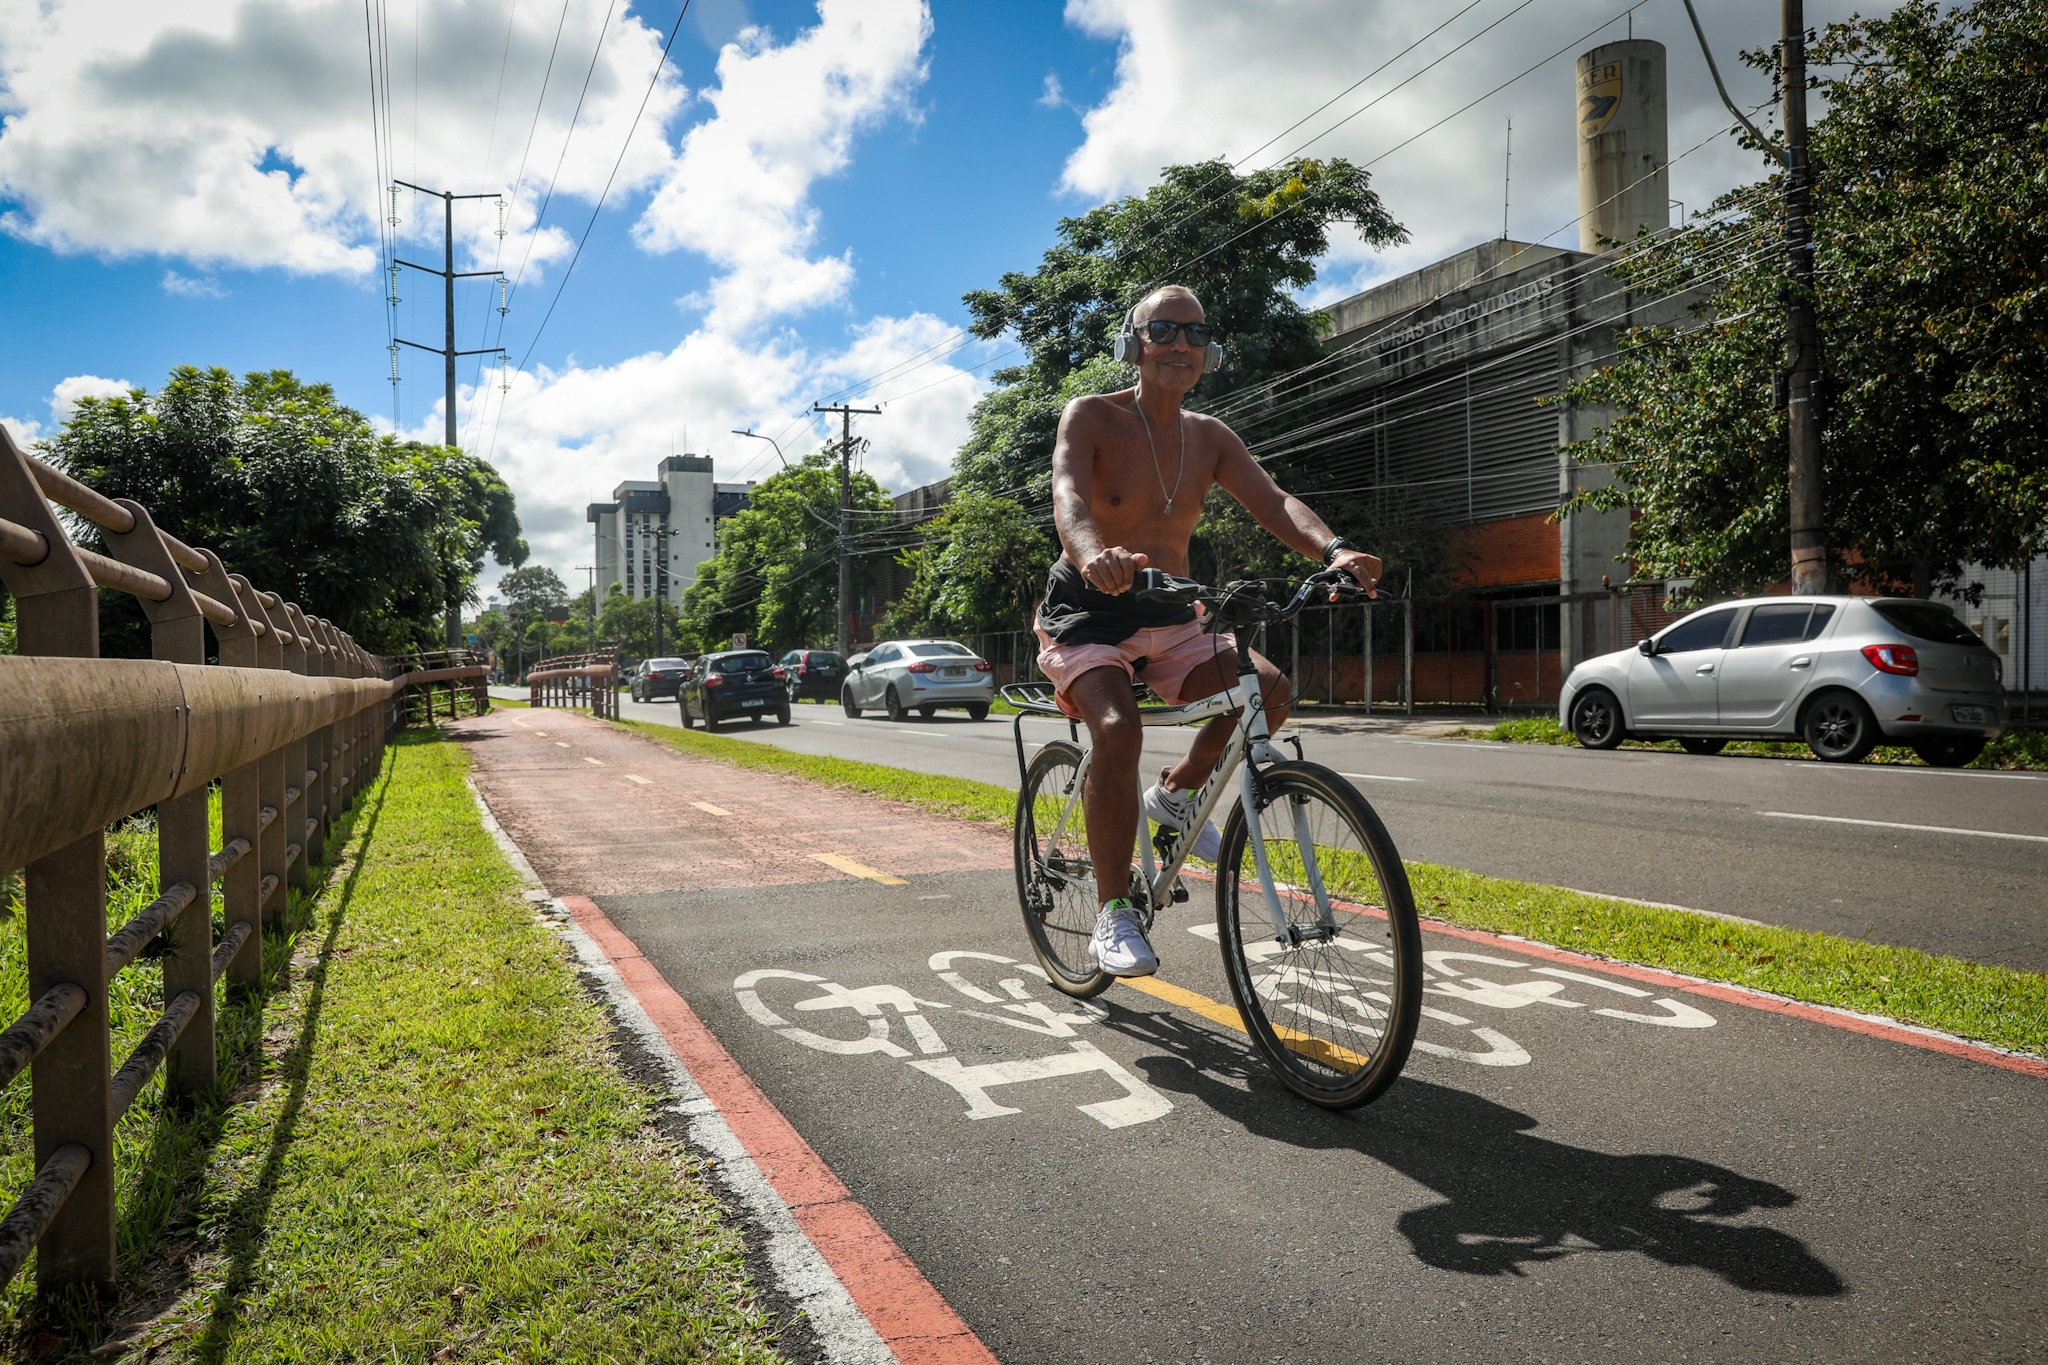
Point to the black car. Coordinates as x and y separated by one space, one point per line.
813 673
739 682
653 678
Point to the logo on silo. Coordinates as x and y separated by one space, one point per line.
1599 97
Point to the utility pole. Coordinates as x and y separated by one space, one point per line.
1802 332
661 535
449 276
592 569
845 633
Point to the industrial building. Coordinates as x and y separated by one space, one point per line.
652 535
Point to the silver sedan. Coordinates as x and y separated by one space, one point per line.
901 676
1844 674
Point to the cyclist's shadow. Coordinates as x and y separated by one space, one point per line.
1511 1199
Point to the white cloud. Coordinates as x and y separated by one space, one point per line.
1054 95
1256 68
65 395
240 133
186 287
25 431
786 116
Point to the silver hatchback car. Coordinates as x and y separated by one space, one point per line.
901 676
1844 674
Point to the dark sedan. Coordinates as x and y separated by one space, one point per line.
652 678
740 682
813 674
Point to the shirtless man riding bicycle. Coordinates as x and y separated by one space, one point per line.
1130 472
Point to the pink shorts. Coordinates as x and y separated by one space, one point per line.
1169 654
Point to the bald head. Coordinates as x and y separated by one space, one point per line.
1179 294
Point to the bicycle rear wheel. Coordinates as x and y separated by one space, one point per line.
1055 879
1333 1010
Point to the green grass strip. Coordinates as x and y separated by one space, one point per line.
2023 749
1994 1004
438 1160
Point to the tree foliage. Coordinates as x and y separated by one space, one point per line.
980 567
296 492
775 577
1931 232
1244 243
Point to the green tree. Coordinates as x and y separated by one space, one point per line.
473 513
980 566
530 593
1246 244
1930 227
775 577
290 488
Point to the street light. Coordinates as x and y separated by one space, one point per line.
770 440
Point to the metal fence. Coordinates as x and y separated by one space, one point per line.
289 722
580 680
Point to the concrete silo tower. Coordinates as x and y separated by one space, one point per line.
1624 147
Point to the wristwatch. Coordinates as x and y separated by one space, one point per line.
1335 548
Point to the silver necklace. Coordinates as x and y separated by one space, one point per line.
1157 472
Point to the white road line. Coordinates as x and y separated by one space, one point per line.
1922 829
1376 777
643 781
809 721
1906 768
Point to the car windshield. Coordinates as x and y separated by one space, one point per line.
664 665
821 658
739 663
941 649
1926 621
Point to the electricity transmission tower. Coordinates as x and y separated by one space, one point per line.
449 275
845 636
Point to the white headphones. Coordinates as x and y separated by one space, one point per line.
1129 346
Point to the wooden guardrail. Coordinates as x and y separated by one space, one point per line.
457 673
290 721
590 680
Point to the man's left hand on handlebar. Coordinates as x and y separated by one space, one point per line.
1363 568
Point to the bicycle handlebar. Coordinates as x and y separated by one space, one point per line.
1242 602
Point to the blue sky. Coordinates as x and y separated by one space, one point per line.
812 188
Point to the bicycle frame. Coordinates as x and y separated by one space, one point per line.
1252 739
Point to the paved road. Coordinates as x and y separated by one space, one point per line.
1714 834
1588 1168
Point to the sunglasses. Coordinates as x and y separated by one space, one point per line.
1160 332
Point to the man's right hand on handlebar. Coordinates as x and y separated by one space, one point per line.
1112 569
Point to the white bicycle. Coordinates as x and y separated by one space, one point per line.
1314 914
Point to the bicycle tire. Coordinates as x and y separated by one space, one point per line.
1059 915
1348 1006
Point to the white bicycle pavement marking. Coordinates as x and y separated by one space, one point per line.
1138 1103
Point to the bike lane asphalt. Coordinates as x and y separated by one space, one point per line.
1582 1161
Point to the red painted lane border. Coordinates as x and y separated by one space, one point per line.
1734 995
910 1316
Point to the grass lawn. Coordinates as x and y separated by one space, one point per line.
2013 749
426 1153
1994 1004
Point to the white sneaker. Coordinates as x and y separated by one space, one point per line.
1176 810
1119 945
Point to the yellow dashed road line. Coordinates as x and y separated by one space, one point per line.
1330 1054
710 809
643 781
858 869
561 744
597 761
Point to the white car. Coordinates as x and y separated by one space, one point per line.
901 676
1842 673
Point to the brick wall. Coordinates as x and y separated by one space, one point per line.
1518 550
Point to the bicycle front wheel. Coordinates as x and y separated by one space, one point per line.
1055 877
1332 991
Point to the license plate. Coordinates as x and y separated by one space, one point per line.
956 672
755 701
1970 715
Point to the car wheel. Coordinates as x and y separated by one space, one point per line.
927 711
1839 728
1596 719
782 716
894 705
689 721
846 704
634 693
977 710
1949 753
1704 748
